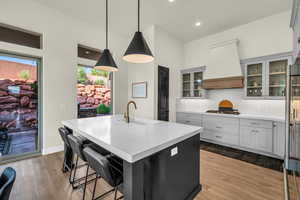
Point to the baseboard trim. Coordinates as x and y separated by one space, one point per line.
51 150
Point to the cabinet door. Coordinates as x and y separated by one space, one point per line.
279 138
197 84
254 79
186 85
264 139
260 139
247 137
276 70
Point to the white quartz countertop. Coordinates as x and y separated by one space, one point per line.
134 141
242 116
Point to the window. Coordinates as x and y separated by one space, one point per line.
192 80
93 91
20 37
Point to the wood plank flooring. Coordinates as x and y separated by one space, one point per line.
222 178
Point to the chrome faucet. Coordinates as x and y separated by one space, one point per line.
126 114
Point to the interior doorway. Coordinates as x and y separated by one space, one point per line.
19 106
163 93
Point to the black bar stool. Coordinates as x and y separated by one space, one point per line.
107 167
63 134
7 180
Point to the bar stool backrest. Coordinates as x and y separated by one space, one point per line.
76 145
7 180
64 135
101 165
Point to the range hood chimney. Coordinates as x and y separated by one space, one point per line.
224 68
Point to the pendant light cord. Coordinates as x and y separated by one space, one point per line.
106 24
139 15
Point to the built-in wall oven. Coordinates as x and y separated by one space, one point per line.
292 153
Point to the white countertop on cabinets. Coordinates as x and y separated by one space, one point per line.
242 116
134 141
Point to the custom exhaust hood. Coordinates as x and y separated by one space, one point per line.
224 68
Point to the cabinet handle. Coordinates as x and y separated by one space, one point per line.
254 123
218 137
218 127
187 121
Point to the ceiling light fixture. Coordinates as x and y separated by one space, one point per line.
198 24
106 61
138 50
171 1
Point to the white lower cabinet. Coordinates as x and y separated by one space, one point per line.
279 138
260 136
260 139
221 129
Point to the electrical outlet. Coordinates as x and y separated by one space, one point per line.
174 151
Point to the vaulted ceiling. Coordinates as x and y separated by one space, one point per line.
177 17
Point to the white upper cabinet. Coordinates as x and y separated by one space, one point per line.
266 77
192 80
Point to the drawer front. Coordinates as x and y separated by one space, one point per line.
256 123
220 137
221 124
189 118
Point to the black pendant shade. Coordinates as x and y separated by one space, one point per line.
106 62
138 50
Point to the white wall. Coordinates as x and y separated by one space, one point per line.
141 73
168 52
266 36
61 34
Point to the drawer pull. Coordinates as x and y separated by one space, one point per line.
219 137
218 127
187 121
254 123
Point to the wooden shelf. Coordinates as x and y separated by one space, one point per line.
277 73
251 87
254 75
277 86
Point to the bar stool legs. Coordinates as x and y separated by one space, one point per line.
76 182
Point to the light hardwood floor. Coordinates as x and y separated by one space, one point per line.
222 178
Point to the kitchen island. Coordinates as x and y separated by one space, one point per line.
161 160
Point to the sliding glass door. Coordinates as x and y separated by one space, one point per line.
19 106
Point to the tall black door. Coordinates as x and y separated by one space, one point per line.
163 93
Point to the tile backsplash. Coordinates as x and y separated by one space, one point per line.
236 96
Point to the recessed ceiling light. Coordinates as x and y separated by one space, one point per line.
171 1
198 24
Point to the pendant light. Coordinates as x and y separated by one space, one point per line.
106 61
138 50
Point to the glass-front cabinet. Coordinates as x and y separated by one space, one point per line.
254 79
198 77
186 85
192 80
266 78
277 77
